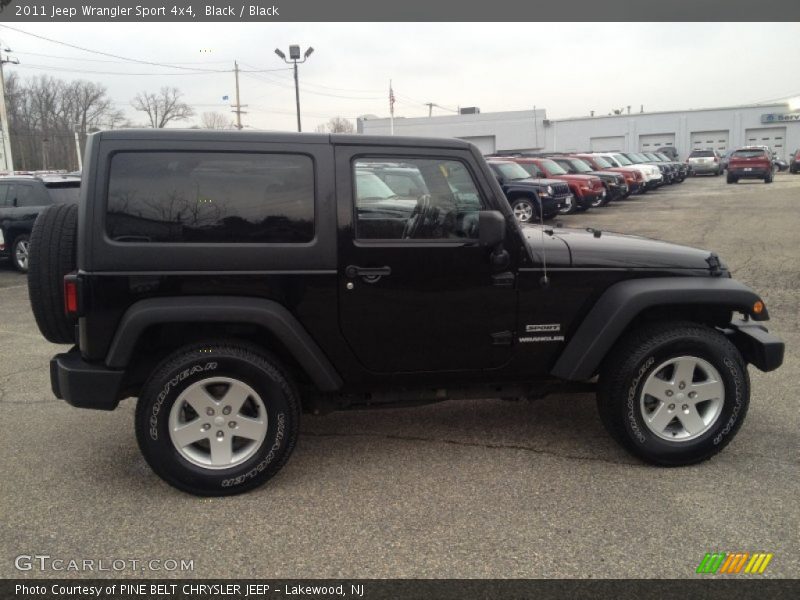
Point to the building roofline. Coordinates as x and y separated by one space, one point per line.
666 112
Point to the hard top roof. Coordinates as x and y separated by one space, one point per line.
346 139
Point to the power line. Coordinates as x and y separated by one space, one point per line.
100 60
100 52
65 70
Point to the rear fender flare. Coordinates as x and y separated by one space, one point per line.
224 309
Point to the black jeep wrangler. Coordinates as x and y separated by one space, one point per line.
229 280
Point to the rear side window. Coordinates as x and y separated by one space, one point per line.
210 197
4 188
755 153
64 194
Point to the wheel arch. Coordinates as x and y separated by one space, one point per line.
625 304
267 323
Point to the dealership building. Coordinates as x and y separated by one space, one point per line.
773 125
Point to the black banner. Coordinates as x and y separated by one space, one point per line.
405 10
407 589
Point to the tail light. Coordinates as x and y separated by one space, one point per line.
71 295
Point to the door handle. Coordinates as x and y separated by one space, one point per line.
352 271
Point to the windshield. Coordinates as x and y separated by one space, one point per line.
636 158
370 187
580 166
651 156
751 153
601 162
663 157
512 171
552 167
532 169
64 193
622 160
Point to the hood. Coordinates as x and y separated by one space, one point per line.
536 181
577 177
615 250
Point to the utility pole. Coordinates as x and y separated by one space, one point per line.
8 160
237 108
430 106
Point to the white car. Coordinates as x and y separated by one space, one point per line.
650 173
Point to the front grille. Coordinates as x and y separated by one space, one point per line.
560 189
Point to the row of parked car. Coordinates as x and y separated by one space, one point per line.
540 186
709 161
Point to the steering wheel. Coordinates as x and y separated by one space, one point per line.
419 215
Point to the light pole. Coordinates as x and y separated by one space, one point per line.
294 58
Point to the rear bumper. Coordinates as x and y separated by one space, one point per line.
754 172
83 384
705 167
759 347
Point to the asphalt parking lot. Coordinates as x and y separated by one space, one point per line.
485 488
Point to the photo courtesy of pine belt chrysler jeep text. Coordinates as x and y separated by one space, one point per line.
232 280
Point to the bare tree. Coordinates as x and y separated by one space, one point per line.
215 120
163 107
336 125
44 113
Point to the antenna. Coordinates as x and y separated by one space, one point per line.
545 280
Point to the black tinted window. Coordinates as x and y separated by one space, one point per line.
443 203
4 187
30 195
701 153
63 194
211 197
754 153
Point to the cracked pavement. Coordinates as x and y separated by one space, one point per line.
484 488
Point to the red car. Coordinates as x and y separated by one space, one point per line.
750 162
794 165
633 177
587 189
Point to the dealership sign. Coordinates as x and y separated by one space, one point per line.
780 117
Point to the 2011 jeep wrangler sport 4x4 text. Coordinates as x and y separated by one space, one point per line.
228 279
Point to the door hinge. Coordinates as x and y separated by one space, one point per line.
502 338
505 279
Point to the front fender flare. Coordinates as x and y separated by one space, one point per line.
623 301
224 309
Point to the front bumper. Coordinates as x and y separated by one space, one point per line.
83 384
758 347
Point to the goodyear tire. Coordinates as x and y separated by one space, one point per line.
674 393
218 418
51 255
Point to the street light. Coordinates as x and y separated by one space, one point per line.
294 58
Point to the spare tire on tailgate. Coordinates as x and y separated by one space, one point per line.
53 255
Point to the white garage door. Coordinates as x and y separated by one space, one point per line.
485 143
774 137
653 141
710 140
607 144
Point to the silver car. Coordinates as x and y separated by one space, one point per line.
705 161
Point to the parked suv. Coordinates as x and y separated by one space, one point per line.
633 177
615 185
526 194
21 200
651 174
667 172
750 162
705 161
229 279
587 190
794 165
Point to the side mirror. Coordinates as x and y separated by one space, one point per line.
491 228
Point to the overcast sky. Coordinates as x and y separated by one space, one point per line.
567 69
